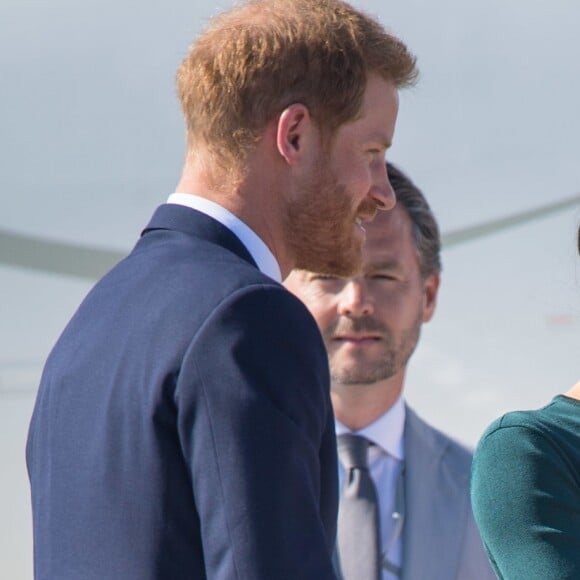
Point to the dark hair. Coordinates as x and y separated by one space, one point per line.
425 228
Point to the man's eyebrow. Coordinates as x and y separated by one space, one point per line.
384 265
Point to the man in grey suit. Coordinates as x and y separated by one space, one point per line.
416 500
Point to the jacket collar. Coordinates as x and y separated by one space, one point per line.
194 223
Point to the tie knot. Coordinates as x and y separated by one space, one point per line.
352 451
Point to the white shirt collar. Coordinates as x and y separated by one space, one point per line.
386 431
259 251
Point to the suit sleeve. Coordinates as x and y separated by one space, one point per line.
256 426
525 502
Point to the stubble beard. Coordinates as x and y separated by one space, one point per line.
365 371
320 227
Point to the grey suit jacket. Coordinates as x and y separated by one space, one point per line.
440 538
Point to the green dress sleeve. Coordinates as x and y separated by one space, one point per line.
526 504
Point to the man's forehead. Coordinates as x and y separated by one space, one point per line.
387 227
382 258
389 240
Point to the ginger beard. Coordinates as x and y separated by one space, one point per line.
320 225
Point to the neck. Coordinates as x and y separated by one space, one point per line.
358 405
253 199
574 392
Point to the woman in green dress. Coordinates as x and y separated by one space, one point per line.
525 491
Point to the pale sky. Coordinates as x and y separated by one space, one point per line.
91 140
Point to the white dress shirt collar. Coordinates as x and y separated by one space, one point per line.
386 431
259 251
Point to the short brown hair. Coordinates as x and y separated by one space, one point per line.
256 59
425 229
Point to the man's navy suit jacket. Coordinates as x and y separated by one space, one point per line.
183 425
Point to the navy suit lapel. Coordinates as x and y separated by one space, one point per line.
194 223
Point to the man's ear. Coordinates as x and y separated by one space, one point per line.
293 132
430 289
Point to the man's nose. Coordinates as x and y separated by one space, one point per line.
354 299
382 191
